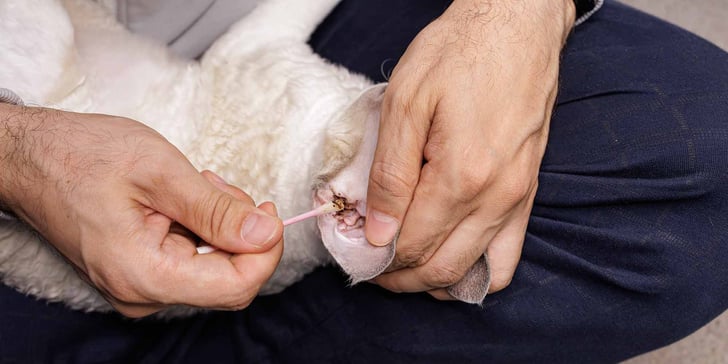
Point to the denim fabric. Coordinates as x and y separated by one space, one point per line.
626 248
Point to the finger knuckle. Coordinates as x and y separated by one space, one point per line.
240 290
214 212
499 281
244 299
126 312
422 259
516 190
242 304
133 312
398 102
122 292
389 176
442 275
472 180
413 256
114 286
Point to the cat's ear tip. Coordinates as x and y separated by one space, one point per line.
380 87
375 90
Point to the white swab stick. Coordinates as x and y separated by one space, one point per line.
330 207
205 249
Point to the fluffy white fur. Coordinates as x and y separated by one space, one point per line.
260 109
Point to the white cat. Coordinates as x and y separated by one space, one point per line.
260 109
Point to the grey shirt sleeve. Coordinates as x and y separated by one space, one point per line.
9 97
586 8
187 27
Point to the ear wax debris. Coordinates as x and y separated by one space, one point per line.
340 203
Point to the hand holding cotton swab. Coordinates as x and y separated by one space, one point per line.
334 206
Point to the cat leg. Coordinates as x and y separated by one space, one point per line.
270 21
37 47
136 77
345 180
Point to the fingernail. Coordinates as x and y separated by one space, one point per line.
380 228
258 229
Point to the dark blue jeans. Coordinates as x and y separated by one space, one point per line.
626 248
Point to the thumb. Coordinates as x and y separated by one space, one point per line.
395 169
228 221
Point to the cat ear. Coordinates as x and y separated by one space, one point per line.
348 157
374 93
473 287
344 136
359 259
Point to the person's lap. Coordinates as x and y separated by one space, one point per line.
623 253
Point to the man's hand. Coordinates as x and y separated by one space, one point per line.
464 127
126 208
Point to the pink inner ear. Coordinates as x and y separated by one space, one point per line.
343 232
343 235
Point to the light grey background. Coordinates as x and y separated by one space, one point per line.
709 19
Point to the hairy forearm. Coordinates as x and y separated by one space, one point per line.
21 152
553 18
12 132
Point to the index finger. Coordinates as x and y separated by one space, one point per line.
395 171
218 280
450 183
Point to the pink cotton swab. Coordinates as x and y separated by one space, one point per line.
327 208
334 206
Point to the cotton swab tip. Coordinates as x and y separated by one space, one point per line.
326 208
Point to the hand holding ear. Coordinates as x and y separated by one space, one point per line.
464 127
